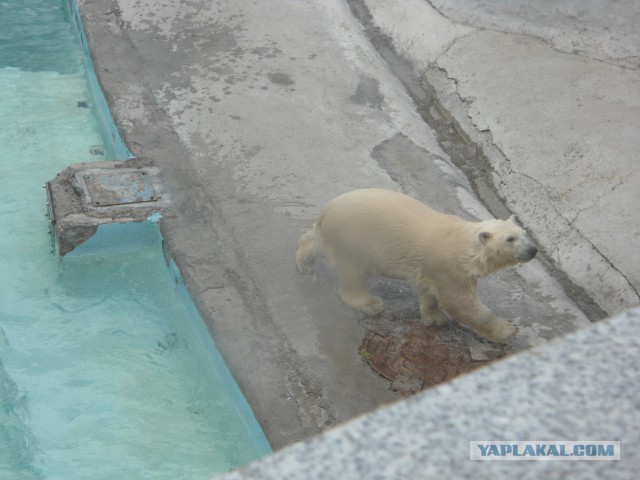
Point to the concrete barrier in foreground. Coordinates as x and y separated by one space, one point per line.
580 388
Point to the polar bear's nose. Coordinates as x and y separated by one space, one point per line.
528 252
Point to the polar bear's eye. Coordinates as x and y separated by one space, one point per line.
511 239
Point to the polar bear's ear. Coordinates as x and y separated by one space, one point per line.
512 219
484 237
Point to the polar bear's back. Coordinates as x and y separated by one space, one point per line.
385 232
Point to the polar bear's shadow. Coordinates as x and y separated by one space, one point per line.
402 307
401 302
400 297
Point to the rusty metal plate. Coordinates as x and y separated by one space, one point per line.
119 188
413 357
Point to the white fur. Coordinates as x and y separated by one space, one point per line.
376 232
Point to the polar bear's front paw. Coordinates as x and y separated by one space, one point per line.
434 318
374 306
502 331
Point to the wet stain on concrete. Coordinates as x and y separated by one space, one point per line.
268 51
368 93
280 78
416 170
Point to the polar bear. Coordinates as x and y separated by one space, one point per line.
377 232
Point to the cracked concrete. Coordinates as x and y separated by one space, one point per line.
554 103
604 32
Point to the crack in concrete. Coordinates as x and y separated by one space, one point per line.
597 200
554 246
616 62
312 408
571 225
609 263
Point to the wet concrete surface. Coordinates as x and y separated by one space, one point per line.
258 115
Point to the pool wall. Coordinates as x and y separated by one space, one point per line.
99 102
202 333
117 236
120 237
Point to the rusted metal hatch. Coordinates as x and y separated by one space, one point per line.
413 356
118 188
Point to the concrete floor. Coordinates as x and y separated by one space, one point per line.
259 113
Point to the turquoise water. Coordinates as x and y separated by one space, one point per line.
106 372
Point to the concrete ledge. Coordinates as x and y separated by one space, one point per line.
567 389
87 195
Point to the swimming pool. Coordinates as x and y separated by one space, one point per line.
106 370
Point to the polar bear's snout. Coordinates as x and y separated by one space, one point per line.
522 248
527 251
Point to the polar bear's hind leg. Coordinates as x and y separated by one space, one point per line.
353 290
306 254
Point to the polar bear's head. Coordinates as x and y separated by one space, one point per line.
502 243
